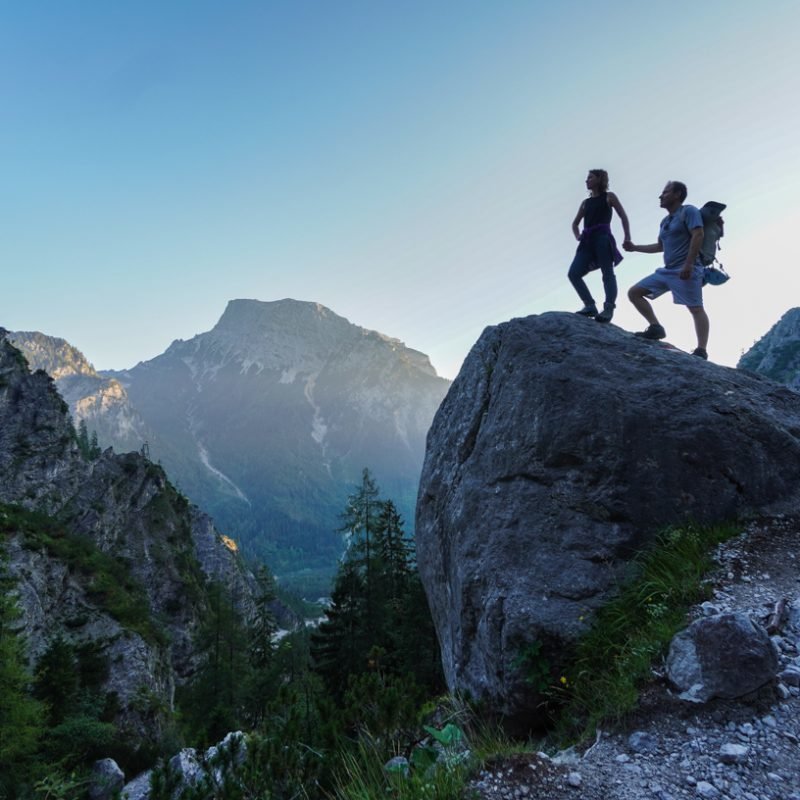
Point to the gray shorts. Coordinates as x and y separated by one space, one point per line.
687 292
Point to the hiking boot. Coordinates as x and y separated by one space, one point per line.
700 352
605 315
652 332
588 311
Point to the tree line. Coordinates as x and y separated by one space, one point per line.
305 697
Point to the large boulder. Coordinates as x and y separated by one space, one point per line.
725 655
560 451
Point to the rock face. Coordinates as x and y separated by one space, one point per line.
724 655
559 452
777 353
115 519
100 401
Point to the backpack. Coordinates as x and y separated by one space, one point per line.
713 230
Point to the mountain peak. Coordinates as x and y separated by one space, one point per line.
289 334
55 356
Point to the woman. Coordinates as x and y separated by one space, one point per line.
596 245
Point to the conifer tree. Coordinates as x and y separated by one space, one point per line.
21 715
213 703
262 647
378 617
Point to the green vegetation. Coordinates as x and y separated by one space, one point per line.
351 710
21 715
614 659
88 445
110 583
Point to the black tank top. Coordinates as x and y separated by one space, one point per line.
596 210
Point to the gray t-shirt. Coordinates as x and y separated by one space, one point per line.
675 234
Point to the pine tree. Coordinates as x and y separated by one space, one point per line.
339 645
262 646
21 715
57 680
213 704
378 620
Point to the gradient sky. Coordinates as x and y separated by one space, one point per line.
413 165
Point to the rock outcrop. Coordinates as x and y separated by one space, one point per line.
101 402
114 528
777 353
560 451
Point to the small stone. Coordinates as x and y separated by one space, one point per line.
733 753
622 758
574 779
747 729
706 789
773 776
709 609
641 742
790 676
770 721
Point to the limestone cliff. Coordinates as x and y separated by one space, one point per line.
777 353
117 557
561 449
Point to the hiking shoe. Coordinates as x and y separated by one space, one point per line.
605 315
652 332
588 311
699 351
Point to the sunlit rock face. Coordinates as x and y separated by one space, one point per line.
101 402
268 420
777 353
562 448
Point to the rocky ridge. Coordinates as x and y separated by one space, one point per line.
124 507
777 353
100 401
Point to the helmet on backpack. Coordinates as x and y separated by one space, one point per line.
713 231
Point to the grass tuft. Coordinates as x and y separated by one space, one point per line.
614 659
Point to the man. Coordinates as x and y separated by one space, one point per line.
679 238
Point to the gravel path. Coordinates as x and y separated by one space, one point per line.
747 749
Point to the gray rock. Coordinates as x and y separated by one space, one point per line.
138 788
730 753
790 676
574 779
397 764
187 767
106 779
551 462
706 789
641 742
722 656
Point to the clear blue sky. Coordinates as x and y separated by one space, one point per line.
413 165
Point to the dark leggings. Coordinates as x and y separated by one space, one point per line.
597 251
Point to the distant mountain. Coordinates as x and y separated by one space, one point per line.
267 420
101 401
777 353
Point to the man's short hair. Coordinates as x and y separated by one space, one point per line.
680 188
